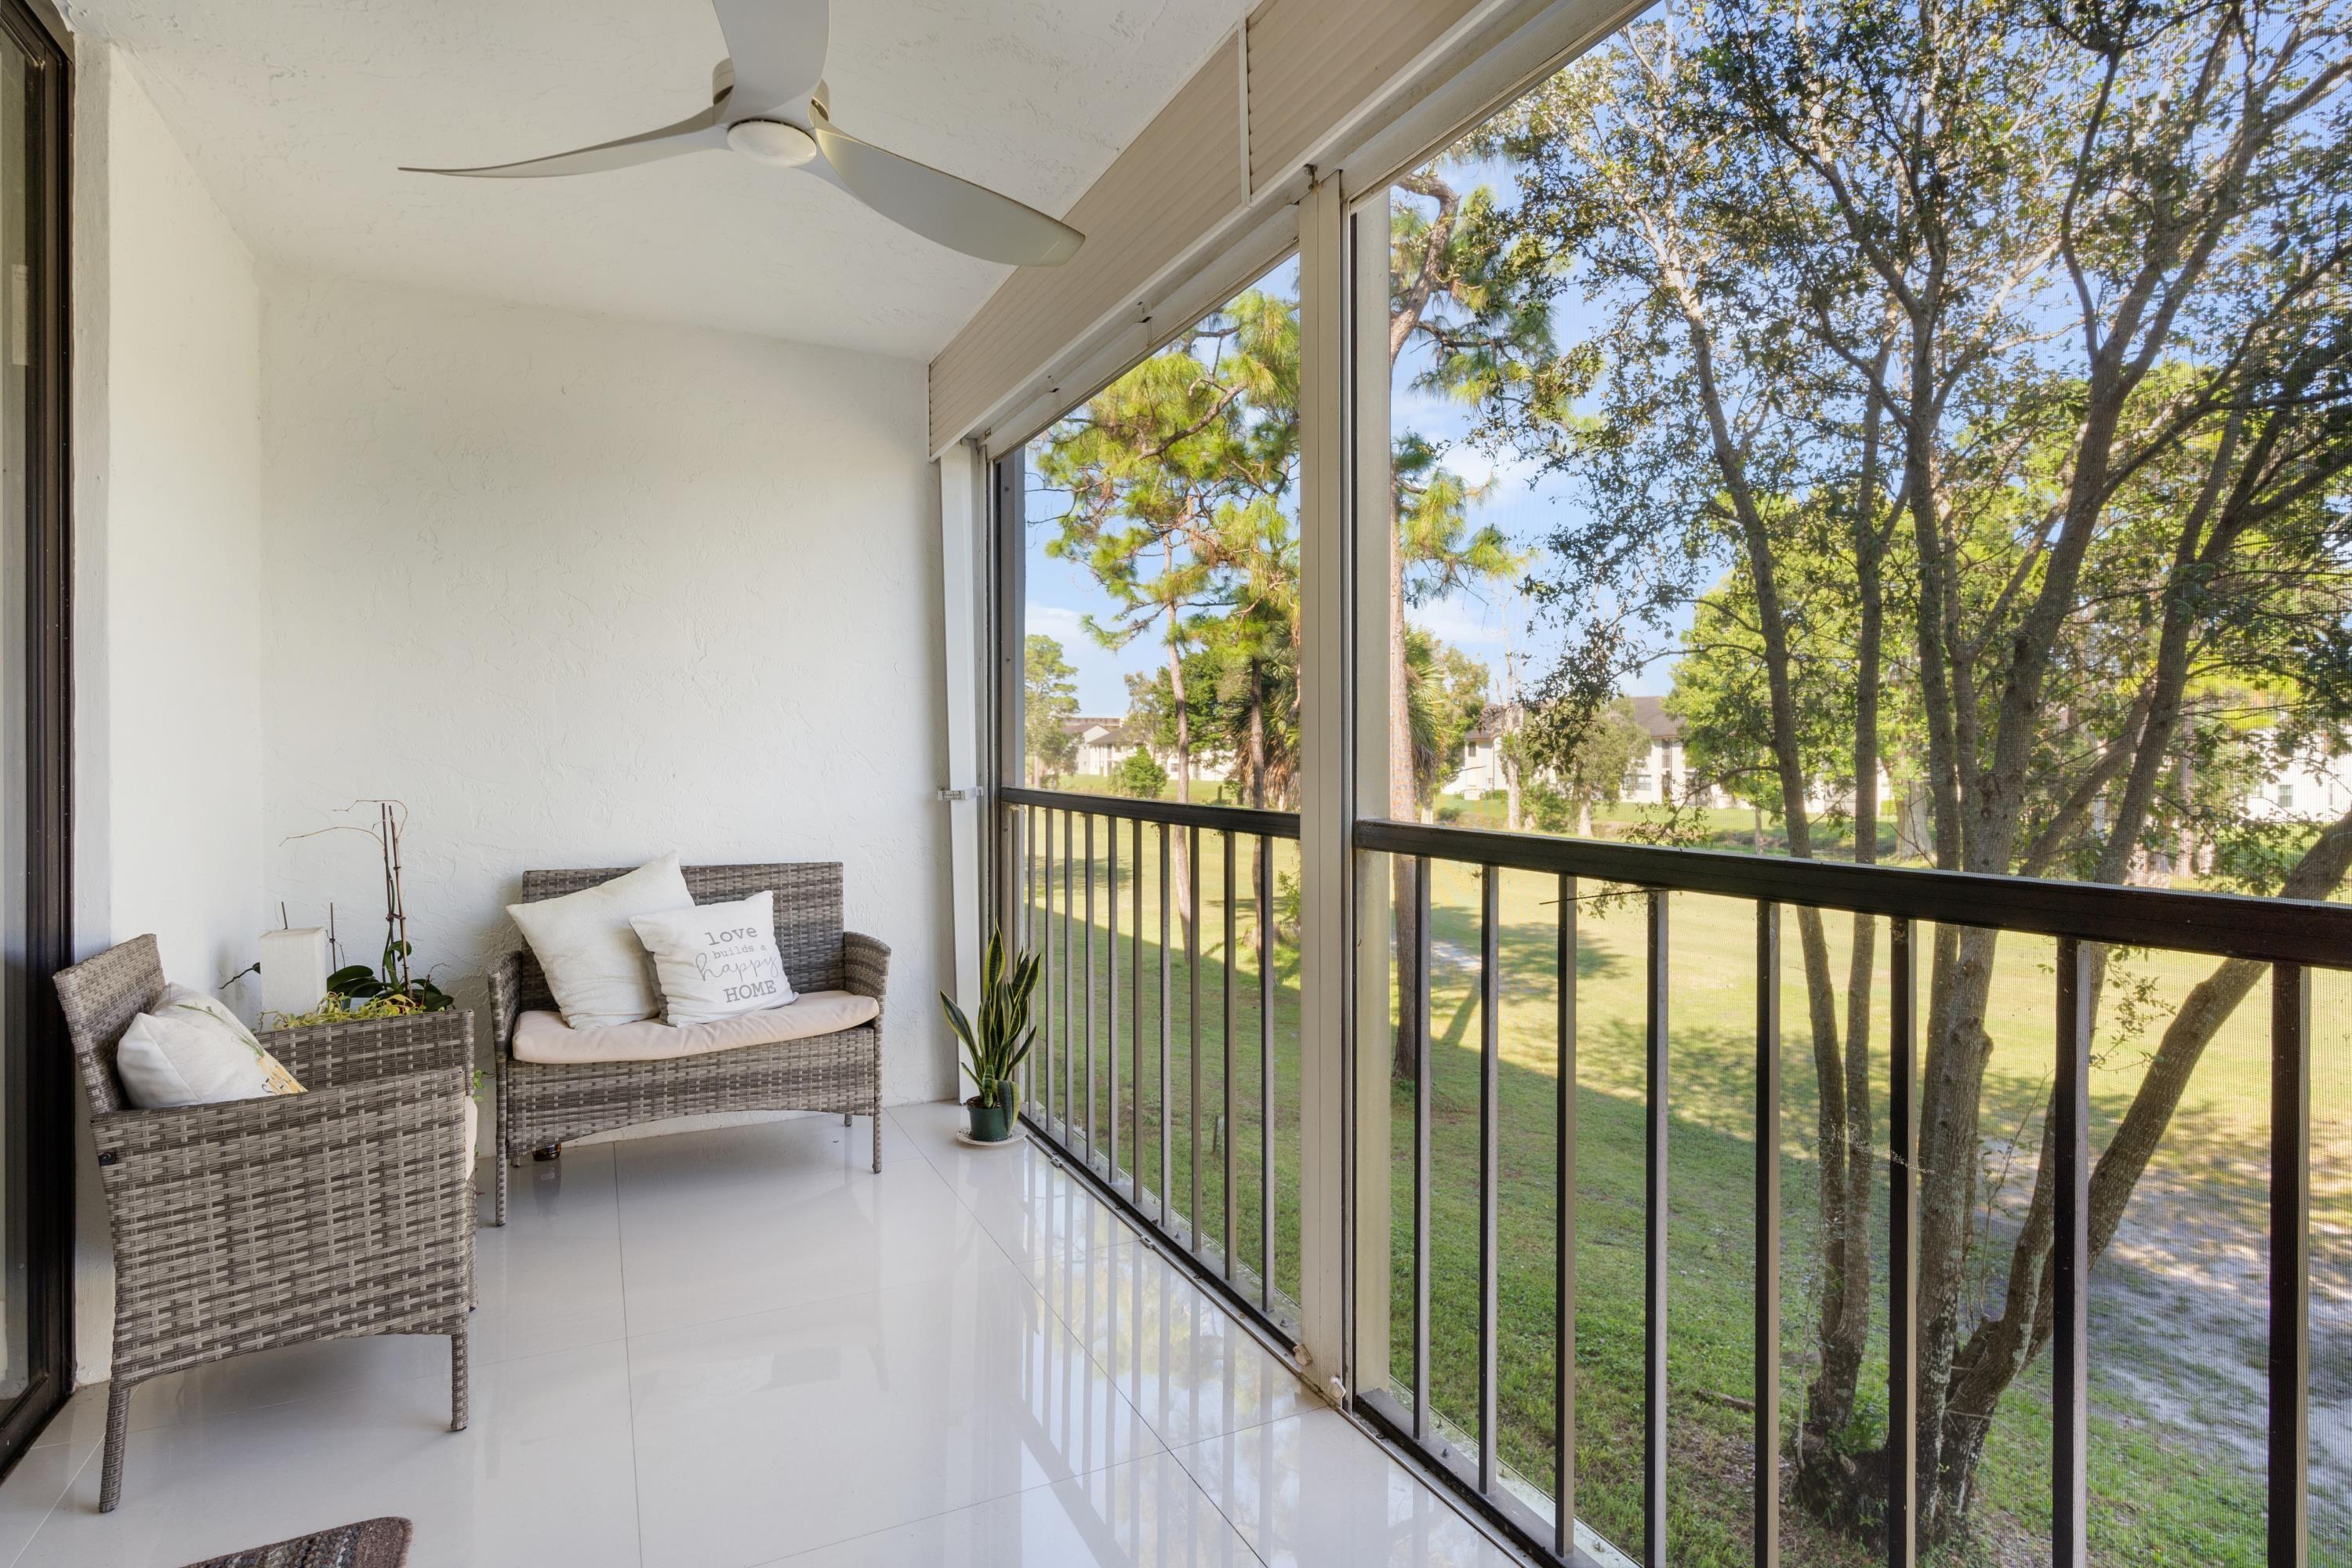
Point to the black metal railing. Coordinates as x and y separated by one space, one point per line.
1111 1102
2290 937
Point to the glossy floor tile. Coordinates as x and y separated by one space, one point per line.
1311 1492
1188 1367
733 1347
1147 1513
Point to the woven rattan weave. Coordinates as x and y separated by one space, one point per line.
541 1104
347 1209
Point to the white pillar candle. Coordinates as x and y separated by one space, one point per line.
293 970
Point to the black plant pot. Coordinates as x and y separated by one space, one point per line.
993 1123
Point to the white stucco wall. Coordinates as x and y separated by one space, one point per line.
580 591
167 508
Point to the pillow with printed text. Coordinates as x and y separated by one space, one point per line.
716 961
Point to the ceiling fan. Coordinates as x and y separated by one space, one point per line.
768 102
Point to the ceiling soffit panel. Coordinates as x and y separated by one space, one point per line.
1297 79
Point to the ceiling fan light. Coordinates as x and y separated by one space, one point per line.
771 142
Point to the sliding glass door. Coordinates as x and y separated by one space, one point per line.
35 1182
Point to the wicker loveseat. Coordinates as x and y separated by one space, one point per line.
347 1209
541 1105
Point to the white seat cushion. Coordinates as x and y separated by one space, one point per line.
545 1038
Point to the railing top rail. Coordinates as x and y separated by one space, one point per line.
2270 931
1224 818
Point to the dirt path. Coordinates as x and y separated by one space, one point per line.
2181 1318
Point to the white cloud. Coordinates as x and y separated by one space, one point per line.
1470 624
1064 625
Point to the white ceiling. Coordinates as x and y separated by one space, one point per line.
297 112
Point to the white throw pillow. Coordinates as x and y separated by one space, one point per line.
191 1050
595 967
716 961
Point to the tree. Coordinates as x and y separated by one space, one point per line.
1446 697
1139 776
1049 696
2048 300
1467 307
1170 473
1583 765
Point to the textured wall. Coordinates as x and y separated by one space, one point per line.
166 510
183 548
580 591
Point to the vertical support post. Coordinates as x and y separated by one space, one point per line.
1419 1025
974 903
1902 1250
1226 1104
1767 1389
1564 1242
1490 1161
1192 983
2070 1259
2290 1359
1327 801
1653 1324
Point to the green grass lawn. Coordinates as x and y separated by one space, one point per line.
2165 1490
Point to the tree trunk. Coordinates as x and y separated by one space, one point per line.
1178 847
2004 1346
1842 1125
1404 882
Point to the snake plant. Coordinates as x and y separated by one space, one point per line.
993 1050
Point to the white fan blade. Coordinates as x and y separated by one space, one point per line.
694 135
777 47
939 206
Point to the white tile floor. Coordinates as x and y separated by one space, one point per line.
725 1349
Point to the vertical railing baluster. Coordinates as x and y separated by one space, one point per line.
1110 1000
2290 1359
2070 1257
1419 1025
1902 1250
1266 923
1226 1104
1490 1161
1653 1335
1767 1389
1135 1035
1192 987
1025 819
1090 990
1564 1257
1167 1015
1051 972
1069 973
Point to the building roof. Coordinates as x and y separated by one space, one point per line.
1083 725
1649 712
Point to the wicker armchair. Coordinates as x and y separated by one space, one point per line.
347 1209
541 1105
